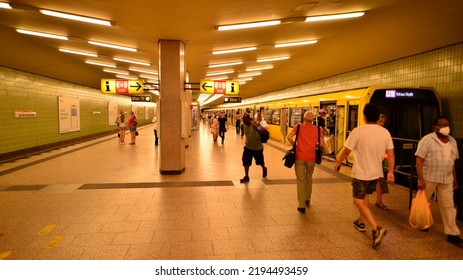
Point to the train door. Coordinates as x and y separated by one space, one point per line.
352 122
340 125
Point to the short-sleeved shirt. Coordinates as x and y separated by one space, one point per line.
437 167
369 142
252 138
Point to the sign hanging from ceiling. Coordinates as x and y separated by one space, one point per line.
233 99
219 87
121 86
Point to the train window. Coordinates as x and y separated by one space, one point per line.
268 117
275 117
353 117
295 117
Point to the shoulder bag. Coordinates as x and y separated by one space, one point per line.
318 151
290 156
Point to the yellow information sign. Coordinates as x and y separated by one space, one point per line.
121 86
219 87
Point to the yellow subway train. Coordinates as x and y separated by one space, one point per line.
409 112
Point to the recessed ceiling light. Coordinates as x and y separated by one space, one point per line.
225 64
248 25
143 70
47 35
332 17
272 58
132 61
220 73
149 77
292 44
5 5
259 68
235 50
78 52
113 46
77 17
116 71
99 63
249 74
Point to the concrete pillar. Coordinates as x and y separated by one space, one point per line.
172 100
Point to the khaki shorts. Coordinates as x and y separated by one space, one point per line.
361 188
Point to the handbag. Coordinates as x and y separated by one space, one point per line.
290 156
420 213
318 151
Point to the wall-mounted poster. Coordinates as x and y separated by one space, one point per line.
112 113
69 114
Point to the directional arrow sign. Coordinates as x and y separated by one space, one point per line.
121 86
219 87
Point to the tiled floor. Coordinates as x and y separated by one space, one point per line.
102 200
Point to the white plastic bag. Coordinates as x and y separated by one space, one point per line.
420 213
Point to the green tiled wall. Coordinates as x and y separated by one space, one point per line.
24 91
441 68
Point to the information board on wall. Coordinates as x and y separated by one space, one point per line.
69 114
112 113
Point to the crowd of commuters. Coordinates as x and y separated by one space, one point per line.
372 145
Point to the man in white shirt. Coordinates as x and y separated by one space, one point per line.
369 142
435 164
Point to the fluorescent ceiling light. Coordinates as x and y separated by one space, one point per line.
259 68
78 52
132 61
249 74
272 58
332 17
116 71
235 50
47 35
300 43
148 77
220 78
113 46
225 64
77 17
143 70
5 5
127 77
244 79
220 73
156 82
100 63
155 91
248 25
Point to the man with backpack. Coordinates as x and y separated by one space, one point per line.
253 147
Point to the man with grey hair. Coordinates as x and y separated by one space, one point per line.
305 157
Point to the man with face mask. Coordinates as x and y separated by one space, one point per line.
435 165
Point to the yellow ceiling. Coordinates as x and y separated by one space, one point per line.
389 30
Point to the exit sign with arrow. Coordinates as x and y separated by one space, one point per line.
121 86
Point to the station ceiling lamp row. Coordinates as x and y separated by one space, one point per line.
86 19
278 45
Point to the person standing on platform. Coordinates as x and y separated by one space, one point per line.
237 122
132 127
381 186
215 127
155 128
253 148
121 124
223 126
369 142
305 157
435 164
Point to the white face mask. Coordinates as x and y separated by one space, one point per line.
445 131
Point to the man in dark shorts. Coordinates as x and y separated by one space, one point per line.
369 142
253 148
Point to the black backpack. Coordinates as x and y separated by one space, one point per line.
264 134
